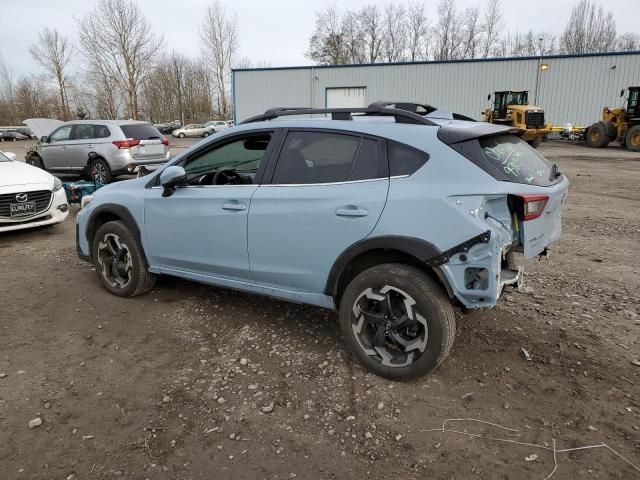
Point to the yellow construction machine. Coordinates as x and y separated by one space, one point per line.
511 107
619 124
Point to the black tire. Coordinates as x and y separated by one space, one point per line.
432 309
35 161
100 171
632 139
596 135
131 277
535 143
205 134
181 135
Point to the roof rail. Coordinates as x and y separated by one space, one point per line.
416 107
375 109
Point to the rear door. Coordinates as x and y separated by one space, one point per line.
326 192
79 145
151 146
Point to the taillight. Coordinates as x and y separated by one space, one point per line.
165 141
128 143
533 206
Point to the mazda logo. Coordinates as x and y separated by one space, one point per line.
22 197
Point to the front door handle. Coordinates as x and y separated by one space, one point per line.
351 211
234 205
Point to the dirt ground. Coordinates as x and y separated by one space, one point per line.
197 382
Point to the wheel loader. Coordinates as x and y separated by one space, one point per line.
620 124
511 107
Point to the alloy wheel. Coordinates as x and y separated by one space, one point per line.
114 259
388 327
100 173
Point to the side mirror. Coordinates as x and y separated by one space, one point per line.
170 178
44 139
488 97
622 93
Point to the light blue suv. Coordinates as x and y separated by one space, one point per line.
385 215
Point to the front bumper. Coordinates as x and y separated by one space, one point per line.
56 213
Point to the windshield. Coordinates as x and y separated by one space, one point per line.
517 98
4 158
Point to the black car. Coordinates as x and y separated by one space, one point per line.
12 136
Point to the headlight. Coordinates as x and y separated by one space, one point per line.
57 184
86 200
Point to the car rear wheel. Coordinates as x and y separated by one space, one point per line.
100 171
119 261
597 136
35 161
205 134
397 321
632 141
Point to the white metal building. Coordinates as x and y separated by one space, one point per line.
570 88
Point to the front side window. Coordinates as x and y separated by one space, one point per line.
236 162
61 134
320 157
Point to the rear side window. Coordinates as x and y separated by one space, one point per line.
82 131
141 131
101 131
405 160
508 158
370 162
316 157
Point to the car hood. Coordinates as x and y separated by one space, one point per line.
42 126
18 174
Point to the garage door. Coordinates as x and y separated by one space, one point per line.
346 97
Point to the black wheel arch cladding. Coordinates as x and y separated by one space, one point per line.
421 250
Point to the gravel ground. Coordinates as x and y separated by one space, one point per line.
192 382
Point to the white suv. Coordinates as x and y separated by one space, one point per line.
103 149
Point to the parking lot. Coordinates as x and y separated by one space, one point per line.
170 384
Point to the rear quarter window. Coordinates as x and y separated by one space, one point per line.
141 131
404 160
508 158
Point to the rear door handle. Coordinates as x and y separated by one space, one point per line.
234 205
351 211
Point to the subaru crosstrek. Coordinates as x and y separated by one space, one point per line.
387 216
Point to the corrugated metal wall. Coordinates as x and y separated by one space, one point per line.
573 89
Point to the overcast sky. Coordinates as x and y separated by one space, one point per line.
275 31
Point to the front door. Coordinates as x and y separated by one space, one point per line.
202 227
327 192
54 152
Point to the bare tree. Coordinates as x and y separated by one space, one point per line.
7 94
471 32
491 23
117 40
352 38
372 32
589 29
53 52
447 32
395 33
417 32
628 42
219 34
327 45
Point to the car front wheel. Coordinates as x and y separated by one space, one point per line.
119 261
397 321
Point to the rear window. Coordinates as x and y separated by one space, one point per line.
141 131
508 158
